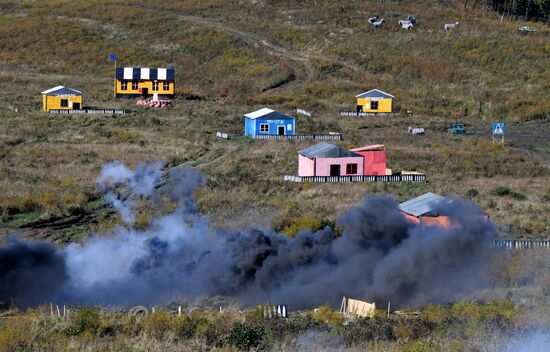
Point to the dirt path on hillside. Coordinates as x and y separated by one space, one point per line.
255 39
299 61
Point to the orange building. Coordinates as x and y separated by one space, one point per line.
420 210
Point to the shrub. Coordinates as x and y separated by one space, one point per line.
364 330
501 191
187 327
85 320
402 332
472 193
245 336
157 324
327 315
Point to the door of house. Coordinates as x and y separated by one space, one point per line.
76 106
334 170
145 91
281 130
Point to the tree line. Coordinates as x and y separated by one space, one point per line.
528 10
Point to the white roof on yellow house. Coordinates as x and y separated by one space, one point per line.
375 94
61 90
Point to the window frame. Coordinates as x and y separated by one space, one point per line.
135 85
350 169
155 86
64 103
374 105
262 125
165 86
124 85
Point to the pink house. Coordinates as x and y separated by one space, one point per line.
375 159
325 159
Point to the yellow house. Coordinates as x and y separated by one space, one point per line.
61 98
142 81
374 100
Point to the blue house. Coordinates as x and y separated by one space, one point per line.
267 121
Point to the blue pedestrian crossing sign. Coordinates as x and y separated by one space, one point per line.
498 129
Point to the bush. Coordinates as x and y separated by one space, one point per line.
365 330
245 336
85 320
472 192
328 316
501 191
157 324
187 327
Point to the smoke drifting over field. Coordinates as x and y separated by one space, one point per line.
378 256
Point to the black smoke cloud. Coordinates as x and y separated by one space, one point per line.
378 256
30 273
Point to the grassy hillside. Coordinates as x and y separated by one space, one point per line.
234 57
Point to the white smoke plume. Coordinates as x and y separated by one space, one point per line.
379 255
537 341
141 182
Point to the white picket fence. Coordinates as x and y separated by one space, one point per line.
309 137
303 112
88 111
365 114
345 179
520 244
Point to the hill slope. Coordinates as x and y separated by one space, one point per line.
234 57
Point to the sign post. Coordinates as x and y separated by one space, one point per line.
498 132
113 57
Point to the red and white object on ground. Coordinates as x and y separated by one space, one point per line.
154 103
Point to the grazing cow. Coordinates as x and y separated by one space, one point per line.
406 24
450 26
412 19
373 19
378 23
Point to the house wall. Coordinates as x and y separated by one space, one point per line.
322 166
374 163
306 166
439 221
289 125
384 105
144 84
50 102
249 127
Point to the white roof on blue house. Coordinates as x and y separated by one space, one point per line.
375 93
61 90
267 113
327 150
422 205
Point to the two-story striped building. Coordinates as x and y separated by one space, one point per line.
144 81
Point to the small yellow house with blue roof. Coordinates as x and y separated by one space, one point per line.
61 98
374 101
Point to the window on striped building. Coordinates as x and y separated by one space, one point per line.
166 85
155 86
134 85
123 85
